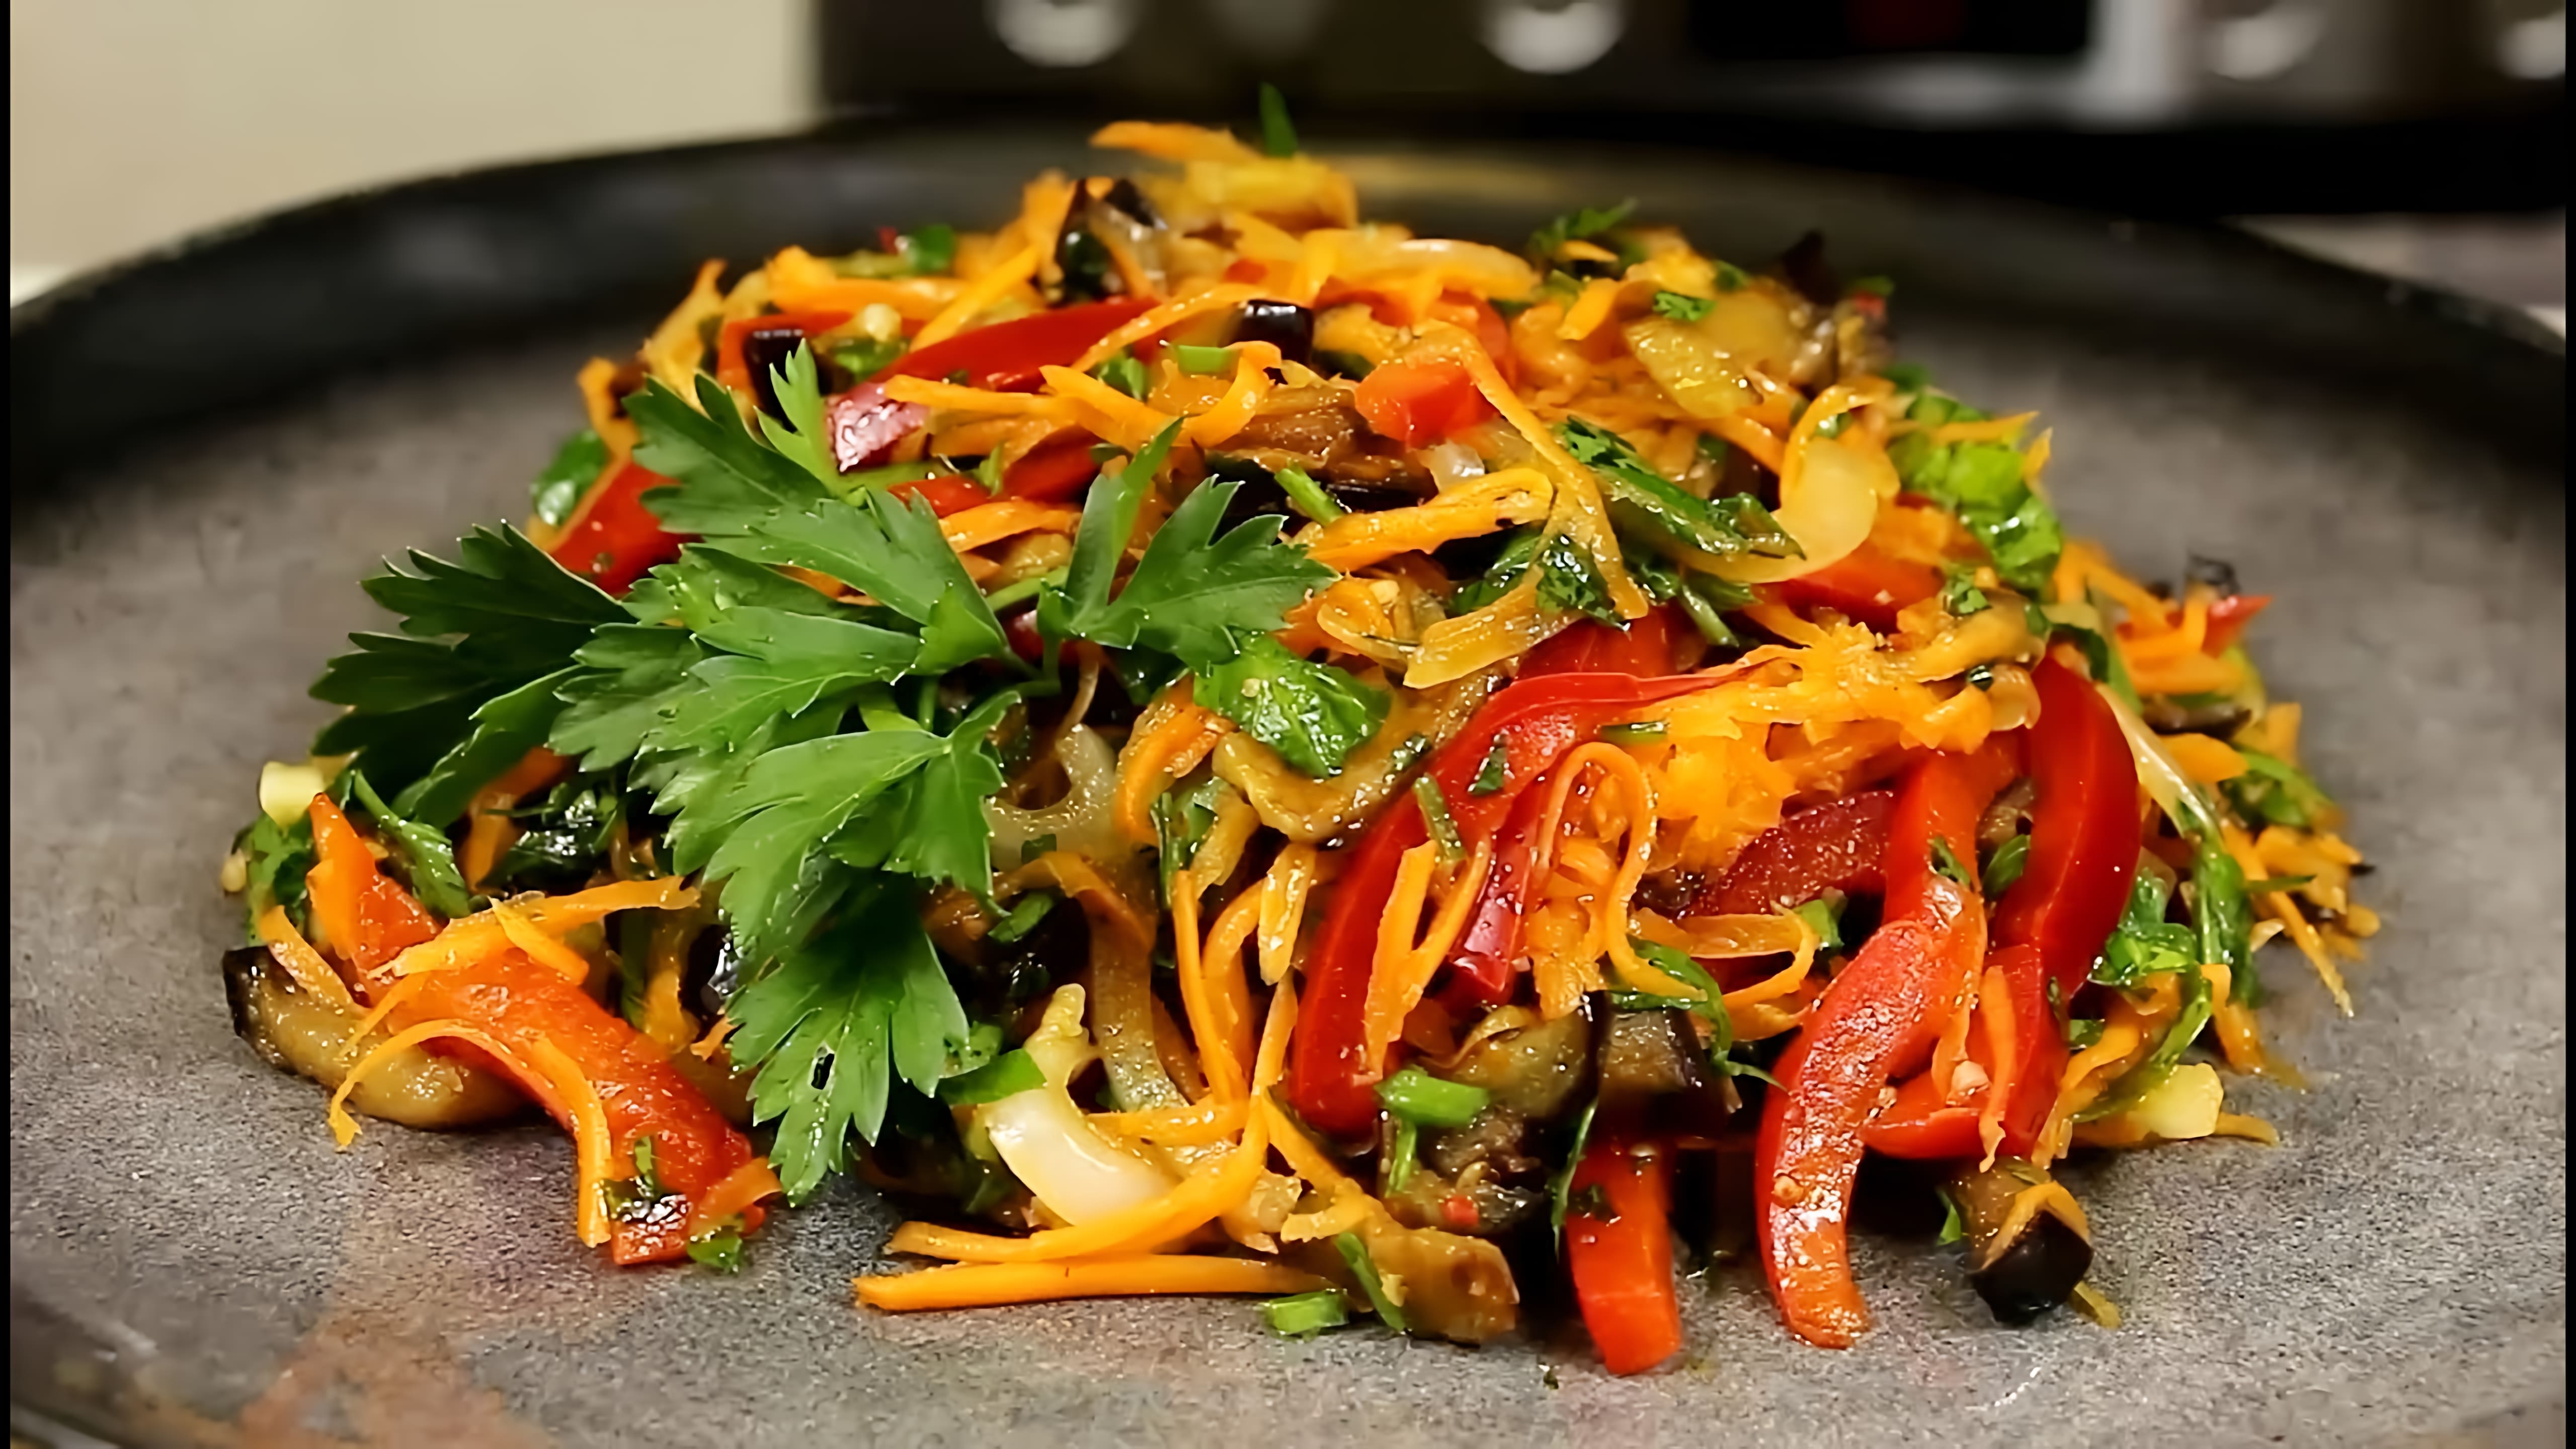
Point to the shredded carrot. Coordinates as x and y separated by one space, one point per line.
1163 318
1402 968
1170 740
1744 431
469 939
982 1285
1252 364
1591 308
1225 1072
1499 500
2203 758
592 1149
737 1192
2282 907
1196 1125
958 397
344 1128
988 523
1339 1216
541 948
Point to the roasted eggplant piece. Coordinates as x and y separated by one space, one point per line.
1643 1055
2027 1263
1283 325
302 1033
1536 1071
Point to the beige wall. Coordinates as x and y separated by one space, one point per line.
135 121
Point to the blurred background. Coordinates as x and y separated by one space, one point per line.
2422 138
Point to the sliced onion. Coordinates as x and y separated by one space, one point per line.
1452 465
1690 368
1829 491
1076 1172
1080 821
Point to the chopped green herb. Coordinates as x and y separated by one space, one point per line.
1954 1227
560 484
1640 732
1732 278
1401 1154
1124 373
1427 1101
1355 1254
1908 376
1560 1184
2144 943
1645 503
1871 287
719 1251
1313 714
2276 791
2006 865
2083 1031
1682 306
427 859
1825 919
1025 914
988 471
1278 133
1007 1075
1304 1315
1182 819
1436 818
1334 363
1569 580
1959 592
1581 224
1202 361
1946 861
1307 495
866 357
1496 769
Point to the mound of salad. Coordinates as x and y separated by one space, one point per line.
1199 744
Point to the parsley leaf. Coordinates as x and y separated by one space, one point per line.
727 480
892 550
1194 594
798 432
2274 790
1569 579
1314 715
2145 944
1682 306
834 1024
1646 504
1182 819
427 859
473 632
278 856
1959 592
1581 224
1982 483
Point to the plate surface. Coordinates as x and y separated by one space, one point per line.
191 1263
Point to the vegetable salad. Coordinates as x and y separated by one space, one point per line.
1204 745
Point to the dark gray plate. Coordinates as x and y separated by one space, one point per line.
192 1263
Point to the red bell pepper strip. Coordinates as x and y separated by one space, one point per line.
1872 1025
945 495
1537 720
695 1150
733 370
1623 1267
2049 927
614 538
2228 618
1838 845
1052 471
1923 1122
1642 647
865 424
366 919
1867 584
1420 403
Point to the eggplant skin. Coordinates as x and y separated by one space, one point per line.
300 1033
2036 1273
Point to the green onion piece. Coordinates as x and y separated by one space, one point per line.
1418 1097
1202 361
1946 861
1304 1315
1435 815
1881 287
1953 1226
1639 732
1399 1166
1024 917
989 472
1682 306
1496 771
1364 1268
1560 1188
1307 494
1731 278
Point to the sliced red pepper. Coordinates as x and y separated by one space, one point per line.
2049 927
1052 471
1868 584
1420 403
614 539
519 1003
1838 845
1538 720
733 370
1924 1123
365 917
1482 968
866 424
1623 1266
945 495
2228 618
1642 647
1492 333
1872 1025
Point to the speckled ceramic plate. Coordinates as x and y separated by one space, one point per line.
213 447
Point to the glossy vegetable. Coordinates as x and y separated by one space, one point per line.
1537 720
1620 1253
865 424
614 539
364 917
1419 403
1867 584
1839 845
1873 1025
